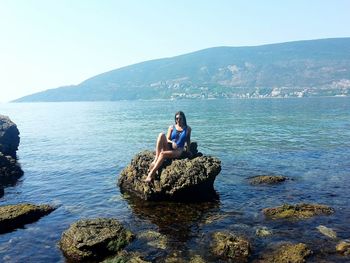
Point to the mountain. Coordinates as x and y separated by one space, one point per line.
301 68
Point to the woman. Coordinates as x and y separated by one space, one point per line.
172 145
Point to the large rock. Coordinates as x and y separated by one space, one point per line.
14 216
177 180
10 170
9 136
94 239
298 211
232 247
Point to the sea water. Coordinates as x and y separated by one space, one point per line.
72 153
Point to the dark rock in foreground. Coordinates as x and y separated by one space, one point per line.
14 216
231 247
9 136
267 179
181 179
93 239
10 170
298 211
292 253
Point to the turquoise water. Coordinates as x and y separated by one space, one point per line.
72 153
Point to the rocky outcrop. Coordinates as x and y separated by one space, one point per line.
14 216
267 179
298 211
177 180
293 253
94 239
229 246
9 136
10 170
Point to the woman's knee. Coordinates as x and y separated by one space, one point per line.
161 136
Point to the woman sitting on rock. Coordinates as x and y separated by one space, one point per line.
172 145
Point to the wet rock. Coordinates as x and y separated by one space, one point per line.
343 247
10 170
197 259
177 180
327 231
263 232
267 179
291 253
14 216
9 136
298 211
229 246
92 239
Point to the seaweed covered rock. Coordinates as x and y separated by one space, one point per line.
293 253
267 179
14 216
94 239
298 211
229 246
176 180
9 136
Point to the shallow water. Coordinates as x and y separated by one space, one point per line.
72 153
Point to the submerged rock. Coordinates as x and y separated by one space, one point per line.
9 136
93 239
291 253
267 179
124 256
343 247
14 216
229 246
154 239
327 231
178 179
298 211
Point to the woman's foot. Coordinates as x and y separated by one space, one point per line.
149 178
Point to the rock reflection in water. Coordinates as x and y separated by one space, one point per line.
175 220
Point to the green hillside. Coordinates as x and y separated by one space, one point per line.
293 69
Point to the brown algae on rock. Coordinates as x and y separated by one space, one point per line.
154 239
13 216
298 211
343 247
291 253
230 246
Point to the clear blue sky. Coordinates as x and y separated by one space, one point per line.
50 43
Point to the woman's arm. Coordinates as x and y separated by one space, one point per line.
168 135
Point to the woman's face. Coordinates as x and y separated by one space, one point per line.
179 119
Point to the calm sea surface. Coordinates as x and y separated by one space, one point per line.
72 154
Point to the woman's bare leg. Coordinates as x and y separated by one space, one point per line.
162 156
161 145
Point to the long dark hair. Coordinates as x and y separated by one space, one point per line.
182 116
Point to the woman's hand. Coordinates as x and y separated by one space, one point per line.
174 145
